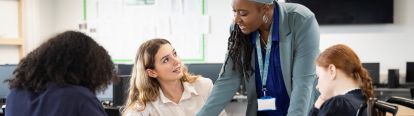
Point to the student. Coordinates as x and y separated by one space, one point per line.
160 84
61 78
272 48
342 81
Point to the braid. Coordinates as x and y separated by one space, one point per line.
366 81
240 50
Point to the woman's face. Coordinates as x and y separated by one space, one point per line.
248 15
167 64
325 86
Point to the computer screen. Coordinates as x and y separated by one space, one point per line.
207 70
124 69
120 90
350 11
6 72
409 78
110 94
106 95
374 71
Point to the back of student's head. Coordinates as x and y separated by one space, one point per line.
345 59
69 58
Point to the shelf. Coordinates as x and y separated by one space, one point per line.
11 41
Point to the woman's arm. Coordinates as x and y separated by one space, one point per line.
223 90
306 48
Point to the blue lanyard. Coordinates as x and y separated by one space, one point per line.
264 68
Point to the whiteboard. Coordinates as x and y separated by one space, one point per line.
122 27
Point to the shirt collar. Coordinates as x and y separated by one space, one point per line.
349 90
188 90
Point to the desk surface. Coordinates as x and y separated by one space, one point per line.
403 111
393 89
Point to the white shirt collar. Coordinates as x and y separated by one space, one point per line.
188 90
349 90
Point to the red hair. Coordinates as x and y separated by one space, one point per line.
344 58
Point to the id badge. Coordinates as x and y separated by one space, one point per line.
266 103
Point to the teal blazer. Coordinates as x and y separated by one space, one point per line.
299 47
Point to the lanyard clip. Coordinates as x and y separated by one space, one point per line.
264 91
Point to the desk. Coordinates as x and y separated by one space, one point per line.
403 111
385 93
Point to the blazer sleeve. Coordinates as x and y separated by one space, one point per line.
305 32
223 90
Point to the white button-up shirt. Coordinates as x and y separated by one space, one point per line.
194 96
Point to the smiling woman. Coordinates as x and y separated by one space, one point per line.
272 48
160 83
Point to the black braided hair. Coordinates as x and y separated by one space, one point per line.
240 51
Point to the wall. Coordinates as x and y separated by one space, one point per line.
389 44
8 29
39 24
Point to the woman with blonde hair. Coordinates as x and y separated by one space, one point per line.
343 82
160 84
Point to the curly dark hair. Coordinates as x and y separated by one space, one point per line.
69 58
240 49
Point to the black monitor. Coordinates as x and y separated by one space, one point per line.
124 69
106 95
6 72
207 70
117 92
120 90
409 78
350 11
374 72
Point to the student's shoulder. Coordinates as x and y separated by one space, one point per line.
135 113
340 99
77 90
72 93
341 104
147 111
202 81
202 85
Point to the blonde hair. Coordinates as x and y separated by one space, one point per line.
144 89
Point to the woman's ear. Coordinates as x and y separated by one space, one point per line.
151 73
265 8
332 71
